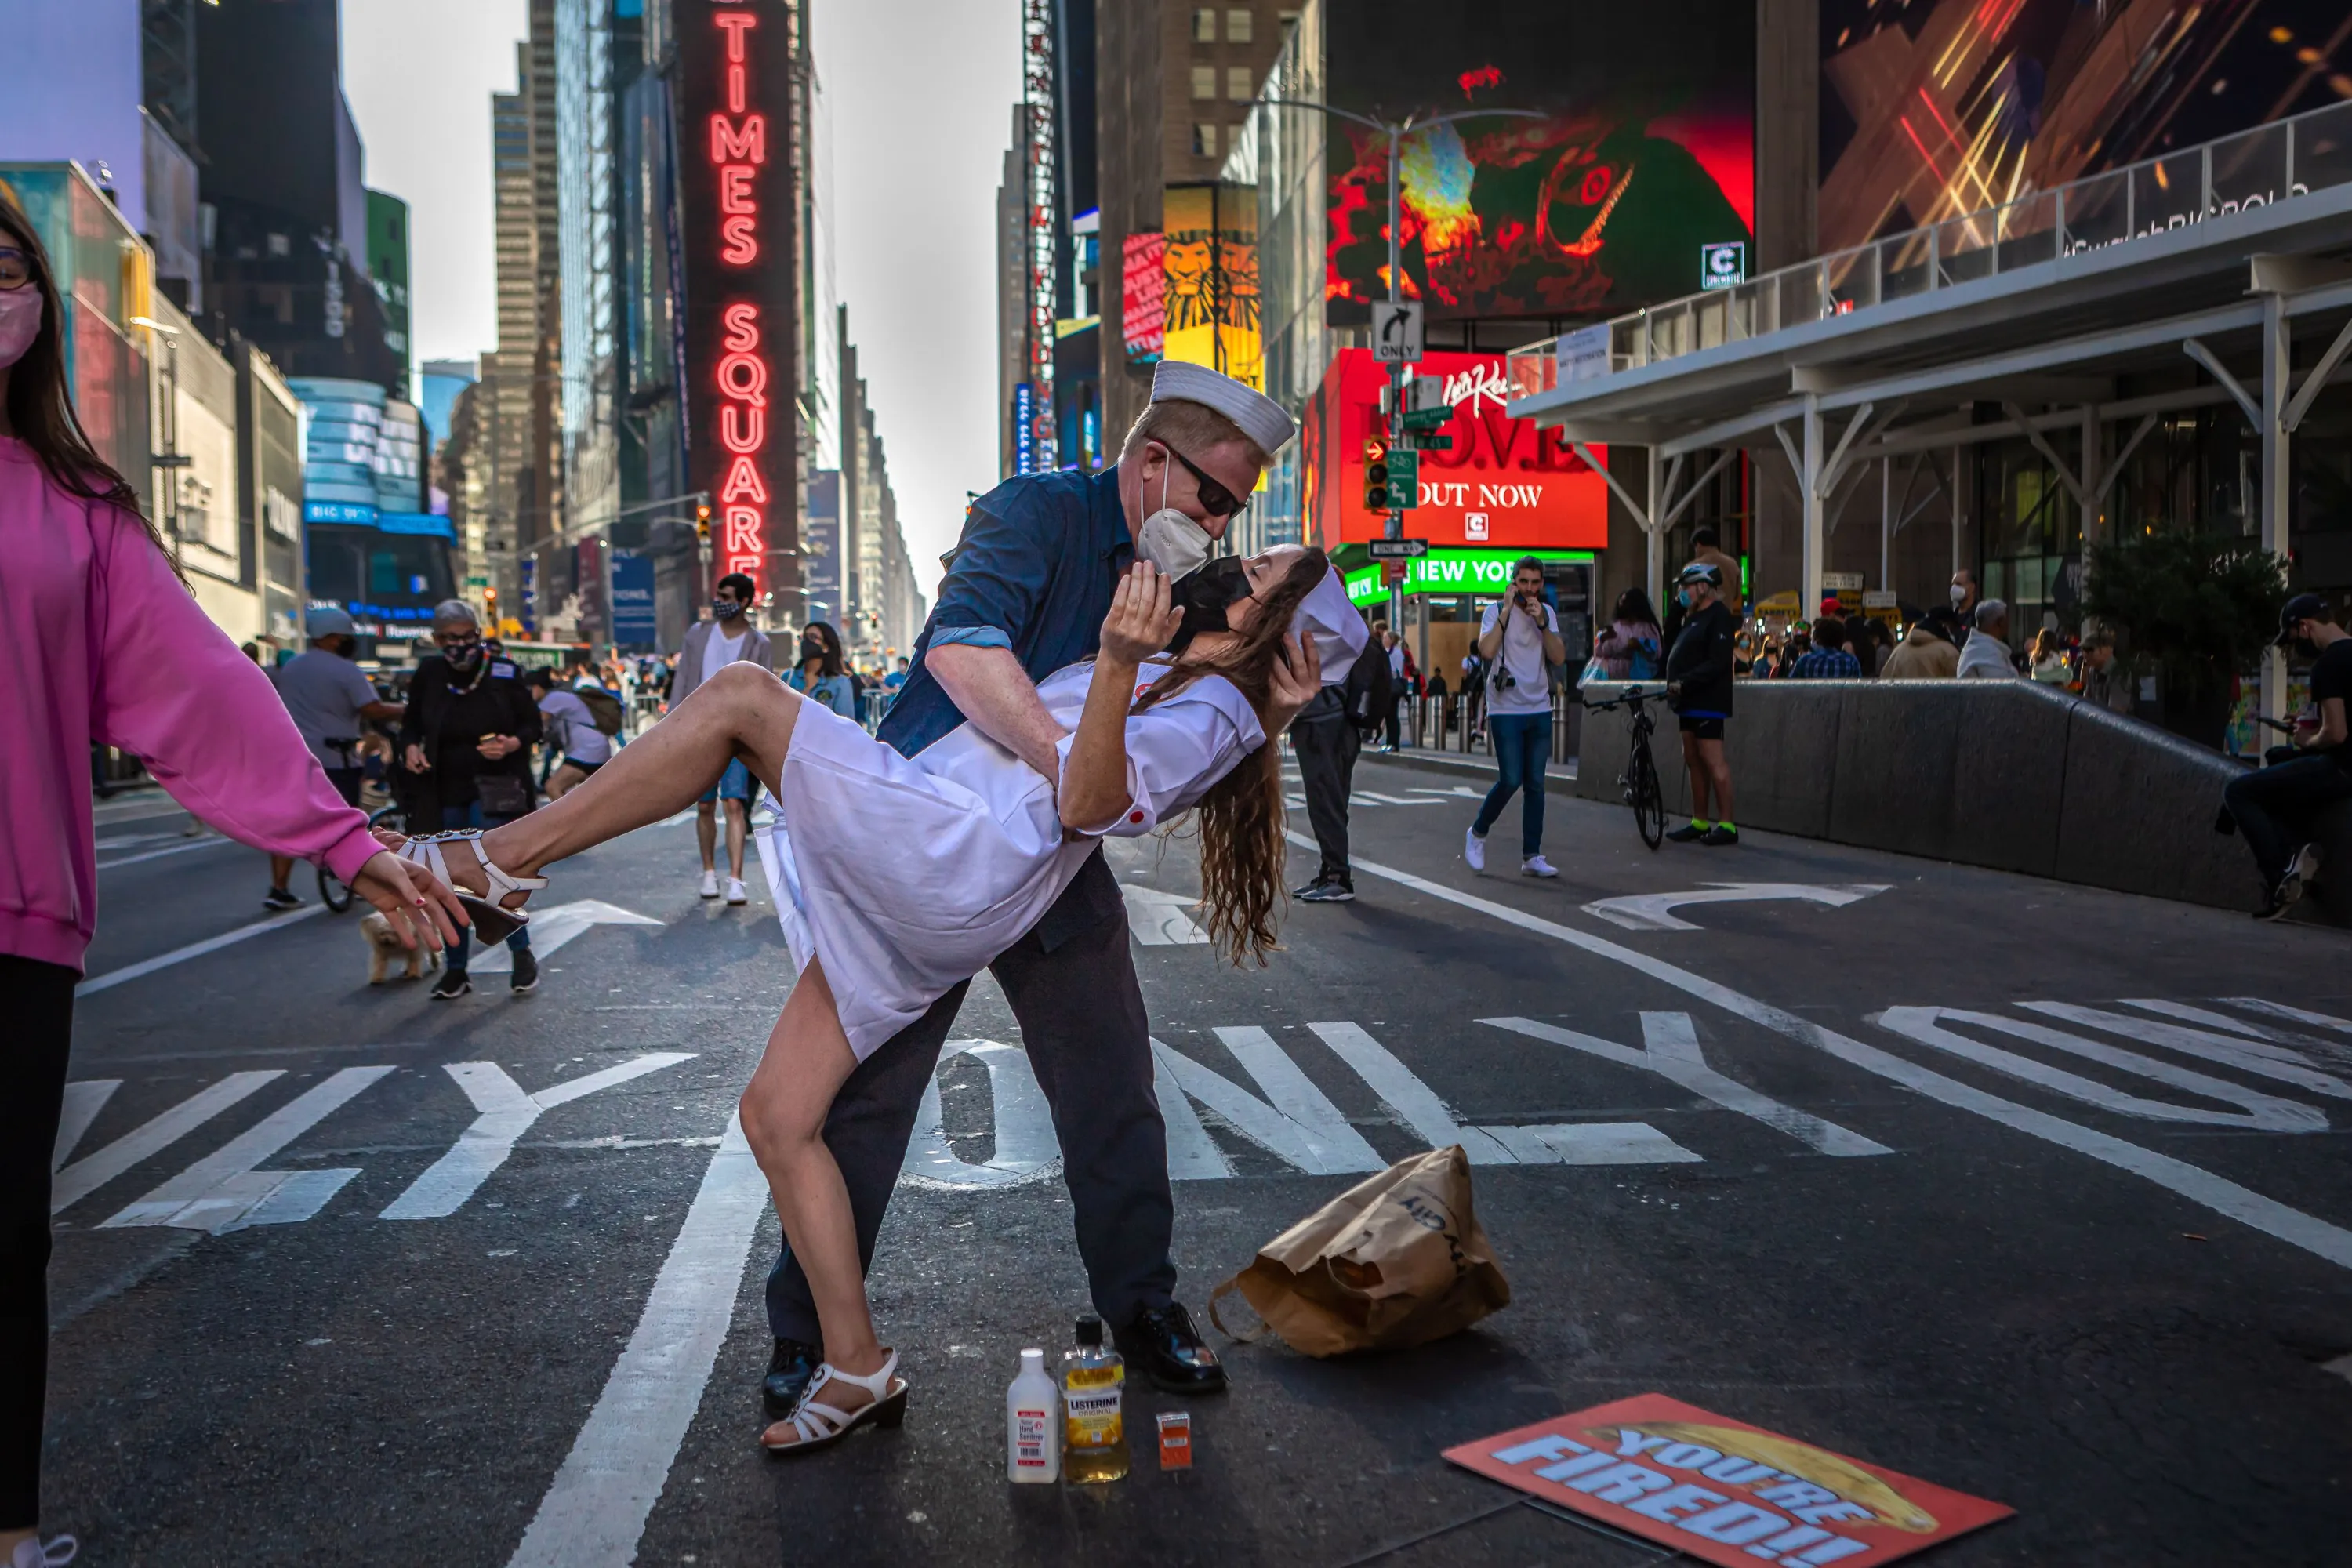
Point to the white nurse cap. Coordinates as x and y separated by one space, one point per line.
1337 630
1260 417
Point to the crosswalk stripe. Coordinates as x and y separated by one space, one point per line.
1408 1096
83 1177
159 854
83 1101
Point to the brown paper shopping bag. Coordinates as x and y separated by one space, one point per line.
1394 1262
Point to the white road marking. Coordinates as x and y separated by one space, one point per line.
126 840
2262 1112
2292 1015
1160 920
2257 1057
1242 1110
1592 1144
83 1101
2205 1016
208 843
1460 792
553 929
2193 1182
1192 1154
1026 1149
1335 1145
1367 797
147 966
224 1191
1647 911
1670 1049
1408 1098
507 1113
85 1176
594 1511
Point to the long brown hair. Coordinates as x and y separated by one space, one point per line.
40 405
1242 854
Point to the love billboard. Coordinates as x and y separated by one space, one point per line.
1504 483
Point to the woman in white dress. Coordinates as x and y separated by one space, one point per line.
900 877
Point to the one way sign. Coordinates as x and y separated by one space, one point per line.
1396 333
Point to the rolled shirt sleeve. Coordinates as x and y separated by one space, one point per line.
1176 752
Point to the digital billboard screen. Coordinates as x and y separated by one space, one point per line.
1948 107
1502 483
1645 156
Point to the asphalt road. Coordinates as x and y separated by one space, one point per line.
345 1274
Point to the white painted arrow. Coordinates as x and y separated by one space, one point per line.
1160 920
552 929
1647 911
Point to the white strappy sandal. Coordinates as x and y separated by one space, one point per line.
491 922
822 1425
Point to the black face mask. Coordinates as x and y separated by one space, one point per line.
464 657
811 648
726 609
1204 594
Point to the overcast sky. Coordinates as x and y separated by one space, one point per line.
919 92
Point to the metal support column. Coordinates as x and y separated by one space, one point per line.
1809 482
2277 470
1885 522
1653 531
1956 511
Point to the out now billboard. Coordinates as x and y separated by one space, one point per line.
1505 484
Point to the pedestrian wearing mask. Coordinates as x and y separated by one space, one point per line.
1519 638
1700 685
711 646
2274 807
331 703
820 672
465 741
104 646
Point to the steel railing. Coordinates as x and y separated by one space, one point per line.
2254 168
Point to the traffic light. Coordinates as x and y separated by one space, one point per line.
702 521
490 604
1376 474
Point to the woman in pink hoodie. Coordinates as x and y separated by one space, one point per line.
101 643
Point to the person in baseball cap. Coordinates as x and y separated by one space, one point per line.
2276 808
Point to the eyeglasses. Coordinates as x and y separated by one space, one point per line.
458 640
16 268
1216 499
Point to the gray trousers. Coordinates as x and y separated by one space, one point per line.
1071 982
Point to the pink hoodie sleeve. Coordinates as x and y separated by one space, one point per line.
171 689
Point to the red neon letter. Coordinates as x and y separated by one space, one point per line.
749 145
742 484
735 190
742 324
736 77
746 433
741 249
735 24
744 377
742 531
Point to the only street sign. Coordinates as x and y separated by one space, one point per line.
1397 549
1396 332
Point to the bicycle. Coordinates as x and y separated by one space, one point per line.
1640 779
334 892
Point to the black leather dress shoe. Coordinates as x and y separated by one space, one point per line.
789 1372
1162 1343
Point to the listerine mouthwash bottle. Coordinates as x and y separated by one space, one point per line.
1094 1377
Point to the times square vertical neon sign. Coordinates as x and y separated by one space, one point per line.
738 148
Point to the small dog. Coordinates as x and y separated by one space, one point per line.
384 946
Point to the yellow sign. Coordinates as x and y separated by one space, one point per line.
1212 287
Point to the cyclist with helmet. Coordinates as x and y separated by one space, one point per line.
1698 685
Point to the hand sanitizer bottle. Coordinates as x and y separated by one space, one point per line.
1033 1423
1094 1377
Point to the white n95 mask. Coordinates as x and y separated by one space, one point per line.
1171 540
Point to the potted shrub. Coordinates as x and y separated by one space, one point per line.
2196 608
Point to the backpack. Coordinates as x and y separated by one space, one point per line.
1369 696
602 707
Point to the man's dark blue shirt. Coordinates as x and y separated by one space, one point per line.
1034 571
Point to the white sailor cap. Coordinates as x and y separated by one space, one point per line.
1336 626
1260 417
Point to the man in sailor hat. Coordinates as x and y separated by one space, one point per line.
1026 593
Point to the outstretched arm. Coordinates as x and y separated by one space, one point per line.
1093 787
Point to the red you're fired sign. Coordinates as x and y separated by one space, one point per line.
1721 1490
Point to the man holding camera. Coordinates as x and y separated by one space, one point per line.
1520 640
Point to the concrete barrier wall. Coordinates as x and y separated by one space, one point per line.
2007 774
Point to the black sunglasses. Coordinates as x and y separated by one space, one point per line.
1216 499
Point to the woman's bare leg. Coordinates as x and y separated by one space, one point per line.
743 711
807 1060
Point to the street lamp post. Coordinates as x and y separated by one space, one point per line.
1396 130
